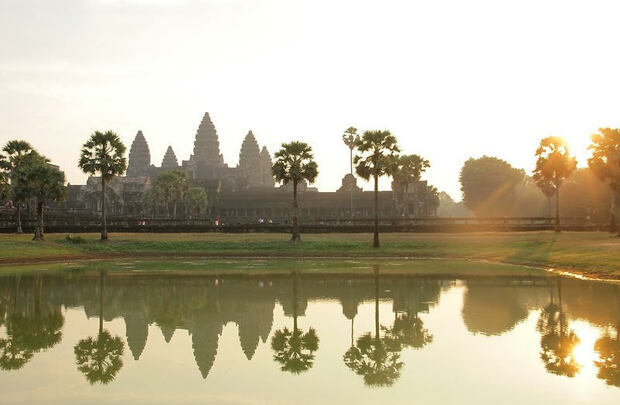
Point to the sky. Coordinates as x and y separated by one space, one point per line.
450 79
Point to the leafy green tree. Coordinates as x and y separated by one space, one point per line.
554 164
409 330
408 169
605 163
349 138
36 178
294 164
15 152
294 350
376 358
5 187
100 359
377 153
103 154
488 185
196 200
172 185
153 199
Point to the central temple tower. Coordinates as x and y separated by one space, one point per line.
207 145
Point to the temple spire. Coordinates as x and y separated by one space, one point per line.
265 168
249 159
139 157
170 159
206 144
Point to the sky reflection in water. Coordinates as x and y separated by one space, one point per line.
109 337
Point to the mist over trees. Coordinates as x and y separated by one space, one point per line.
492 187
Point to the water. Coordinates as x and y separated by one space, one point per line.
111 336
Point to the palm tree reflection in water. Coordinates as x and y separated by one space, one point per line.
376 358
558 342
294 350
100 359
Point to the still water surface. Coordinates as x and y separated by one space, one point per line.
106 336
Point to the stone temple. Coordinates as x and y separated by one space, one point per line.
244 193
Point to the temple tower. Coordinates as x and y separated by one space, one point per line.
170 159
207 145
265 168
249 160
139 157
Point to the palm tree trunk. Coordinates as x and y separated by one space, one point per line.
548 207
295 280
101 286
38 229
377 302
295 237
557 209
612 213
19 218
375 240
104 229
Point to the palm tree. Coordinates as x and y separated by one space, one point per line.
605 163
408 169
100 359
104 154
295 163
554 164
172 185
36 178
377 158
349 138
376 358
547 188
294 350
16 152
196 200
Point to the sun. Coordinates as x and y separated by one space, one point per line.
584 352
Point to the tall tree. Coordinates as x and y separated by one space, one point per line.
408 169
15 153
294 164
36 178
554 164
547 188
172 185
378 151
103 154
349 138
488 185
605 163
195 200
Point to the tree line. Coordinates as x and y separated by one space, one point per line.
492 187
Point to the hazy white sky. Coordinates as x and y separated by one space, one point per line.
451 79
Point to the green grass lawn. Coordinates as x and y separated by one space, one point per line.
592 253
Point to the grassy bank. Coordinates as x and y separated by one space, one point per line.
596 254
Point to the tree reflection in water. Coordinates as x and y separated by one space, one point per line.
100 359
294 350
557 342
376 358
29 333
608 349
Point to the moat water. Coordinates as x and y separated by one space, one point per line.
106 334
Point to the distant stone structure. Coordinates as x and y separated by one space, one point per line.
241 194
139 157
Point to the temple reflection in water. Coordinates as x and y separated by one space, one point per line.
32 307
